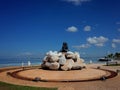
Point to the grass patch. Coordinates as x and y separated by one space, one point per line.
113 65
6 86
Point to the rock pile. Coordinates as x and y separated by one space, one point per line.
62 61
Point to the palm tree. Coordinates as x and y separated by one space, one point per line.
113 56
117 55
110 55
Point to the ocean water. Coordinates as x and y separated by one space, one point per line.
8 62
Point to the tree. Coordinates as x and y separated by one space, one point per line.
110 55
117 55
113 56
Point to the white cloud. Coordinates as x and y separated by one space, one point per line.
116 40
82 46
72 29
113 45
97 41
87 28
77 2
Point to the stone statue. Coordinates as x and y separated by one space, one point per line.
63 60
64 47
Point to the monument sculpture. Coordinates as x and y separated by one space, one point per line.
64 60
64 47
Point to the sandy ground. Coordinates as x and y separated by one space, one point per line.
109 84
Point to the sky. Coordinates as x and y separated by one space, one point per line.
34 27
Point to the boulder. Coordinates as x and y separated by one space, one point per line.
51 53
62 60
46 58
79 64
69 56
68 65
43 65
77 54
52 66
59 54
79 60
53 58
70 53
76 67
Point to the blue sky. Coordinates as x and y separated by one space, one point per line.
33 27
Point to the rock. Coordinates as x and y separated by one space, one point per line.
74 59
76 67
54 58
48 64
68 65
78 64
52 66
51 57
37 79
70 53
44 66
69 56
64 68
77 54
59 54
79 60
82 60
46 58
62 60
51 53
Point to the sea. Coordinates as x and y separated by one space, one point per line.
9 62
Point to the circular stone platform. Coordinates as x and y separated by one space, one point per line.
88 74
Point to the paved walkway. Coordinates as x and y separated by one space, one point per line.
109 84
73 75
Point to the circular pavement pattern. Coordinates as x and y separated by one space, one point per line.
88 74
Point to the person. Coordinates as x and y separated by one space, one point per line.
22 64
29 63
90 62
